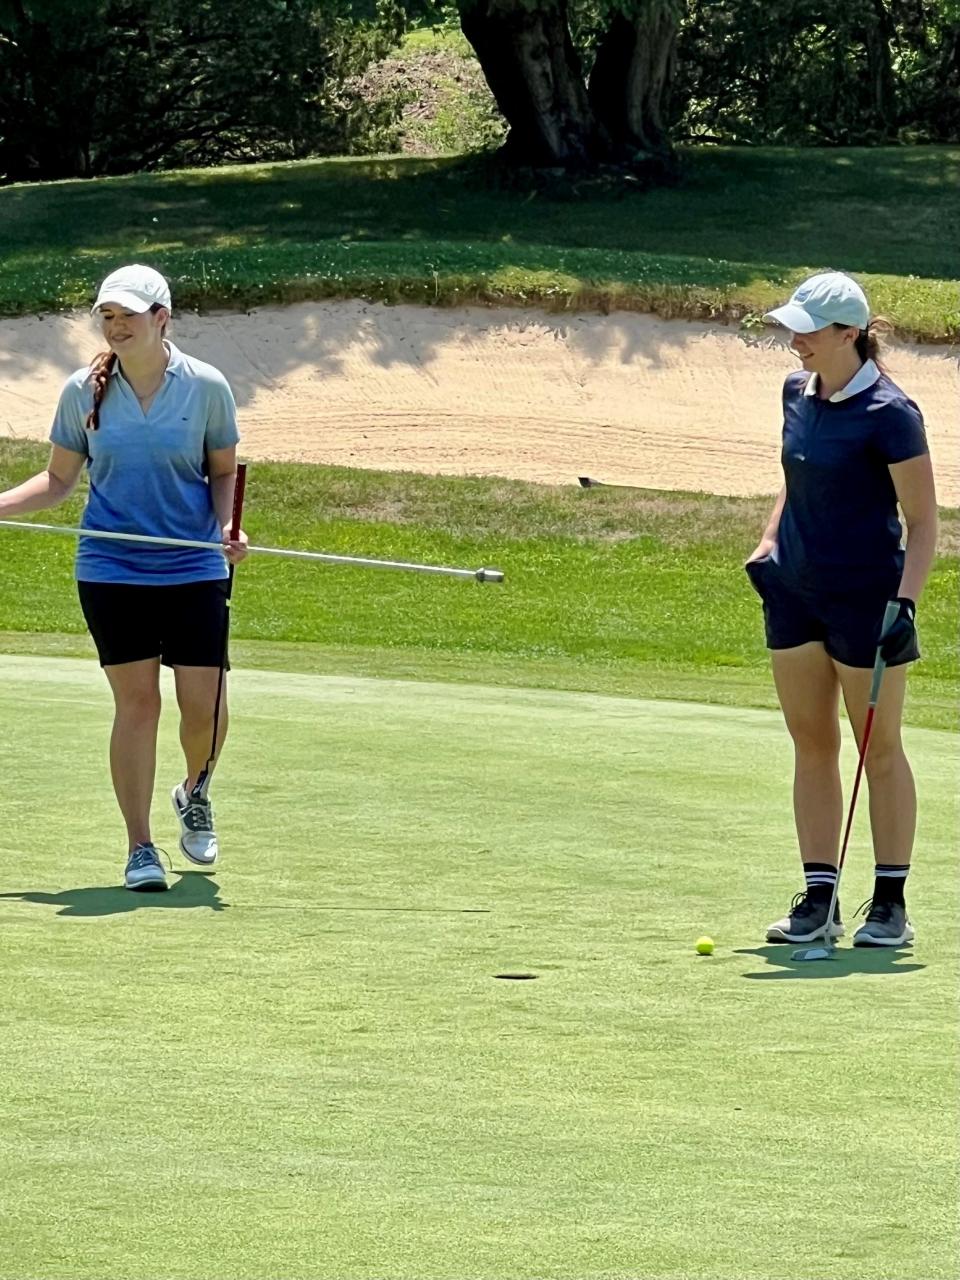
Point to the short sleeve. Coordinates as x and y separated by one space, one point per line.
899 433
69 422
221 431
793 386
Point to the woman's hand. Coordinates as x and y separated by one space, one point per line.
898 643
764 548
235 549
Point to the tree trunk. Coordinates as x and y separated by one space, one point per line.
632 77
949 82
878 37
534 73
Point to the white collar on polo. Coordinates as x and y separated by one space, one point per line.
866 376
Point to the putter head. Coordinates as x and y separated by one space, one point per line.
825 952
489 575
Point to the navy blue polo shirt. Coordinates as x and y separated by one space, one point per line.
840 528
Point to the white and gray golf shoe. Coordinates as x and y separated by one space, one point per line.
198 839
806 921
144 871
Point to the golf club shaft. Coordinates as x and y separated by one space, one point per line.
879 667
239 487
479 575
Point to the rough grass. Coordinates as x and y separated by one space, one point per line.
616 590
727 243
445 104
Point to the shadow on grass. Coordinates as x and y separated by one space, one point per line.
301 907
846 962
190 889
475 200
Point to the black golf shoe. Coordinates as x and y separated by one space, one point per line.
806 921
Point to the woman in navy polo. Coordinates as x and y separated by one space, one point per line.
830 559
157 433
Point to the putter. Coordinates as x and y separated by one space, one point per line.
199 791
826 952
477 575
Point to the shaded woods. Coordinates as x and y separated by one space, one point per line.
92 87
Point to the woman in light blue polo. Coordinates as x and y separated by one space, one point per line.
829 560
157 433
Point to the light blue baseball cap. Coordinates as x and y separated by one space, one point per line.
828 298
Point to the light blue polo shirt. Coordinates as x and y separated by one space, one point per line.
148 472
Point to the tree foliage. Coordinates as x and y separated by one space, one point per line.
93 87
611 80
108 86
814 72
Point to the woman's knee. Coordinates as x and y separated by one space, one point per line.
815 742
885 758
197 713
138 707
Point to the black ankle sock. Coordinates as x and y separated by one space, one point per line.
890 883
820 878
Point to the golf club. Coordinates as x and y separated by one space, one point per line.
879 666
199 791
478 575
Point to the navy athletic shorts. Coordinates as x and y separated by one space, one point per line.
846 623
183 625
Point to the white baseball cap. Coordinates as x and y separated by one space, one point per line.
135 287
828 298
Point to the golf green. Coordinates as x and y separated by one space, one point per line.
304 1066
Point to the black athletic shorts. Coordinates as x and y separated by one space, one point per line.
846 623
183 625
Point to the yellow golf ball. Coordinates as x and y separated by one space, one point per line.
704 946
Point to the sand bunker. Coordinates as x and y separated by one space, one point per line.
627 398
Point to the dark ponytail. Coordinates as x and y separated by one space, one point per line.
100 371
870 340
869 343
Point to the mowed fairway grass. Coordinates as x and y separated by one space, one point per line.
305 1067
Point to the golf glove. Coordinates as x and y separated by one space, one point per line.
898 639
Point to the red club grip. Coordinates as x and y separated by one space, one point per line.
238 489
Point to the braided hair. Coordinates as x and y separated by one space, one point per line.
100 372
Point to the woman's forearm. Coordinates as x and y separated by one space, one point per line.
36 494
921 548
773 524
221 491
